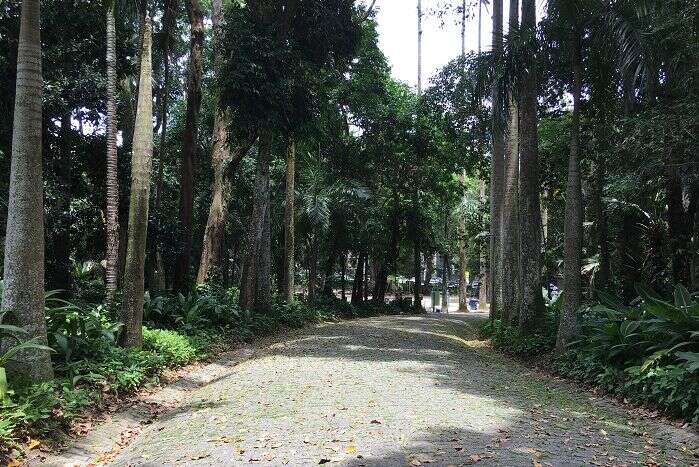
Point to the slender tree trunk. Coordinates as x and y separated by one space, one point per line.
572 259
417 267
313 269
532 305
367 276
263 294
389 263
510 219
289 223
445 283
112 229
343 279
600 219
189 149
58 272
510 204
419 47
429 269
23 293
132 307
249 275
497 175
679 223
463 284
168 25
358 287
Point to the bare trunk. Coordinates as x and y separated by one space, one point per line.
600 219
463 284
419 47
417 267
189 145
445 283
263 294
249 274
510 220
168 25
132 307
497 175
24 242
679 223
112 227
313 269
572 259
358 286
343 273
289 223
531 310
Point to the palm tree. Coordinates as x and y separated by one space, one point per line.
112 220
497 173
169 21
132 307
289 261
510 204
531 307
189 150
23 293
572 259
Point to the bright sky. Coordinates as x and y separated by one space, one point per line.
440 42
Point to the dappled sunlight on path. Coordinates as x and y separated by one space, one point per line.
394 391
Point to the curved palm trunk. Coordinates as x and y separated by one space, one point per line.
24 242
572 259
497 175
289 260
112 163
532 306
189 150
132 307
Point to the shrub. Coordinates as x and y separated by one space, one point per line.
647 352
176 349
511 340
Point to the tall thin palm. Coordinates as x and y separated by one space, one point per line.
23 292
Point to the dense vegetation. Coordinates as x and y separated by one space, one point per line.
182 174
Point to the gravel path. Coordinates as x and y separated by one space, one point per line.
396 391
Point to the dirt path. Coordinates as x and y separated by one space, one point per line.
392 391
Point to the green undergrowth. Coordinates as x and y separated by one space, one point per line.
646 352
92 371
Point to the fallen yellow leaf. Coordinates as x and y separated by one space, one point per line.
351 449
33 444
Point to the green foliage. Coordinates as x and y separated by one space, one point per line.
78 331
511 340
647 352
175 348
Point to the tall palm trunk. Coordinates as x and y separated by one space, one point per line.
417 267
419 47
510 202
24 242
497 175
289 224
189 145
168 25
358 286
532 306
600 218
463 284
112 229
572 259
132 307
